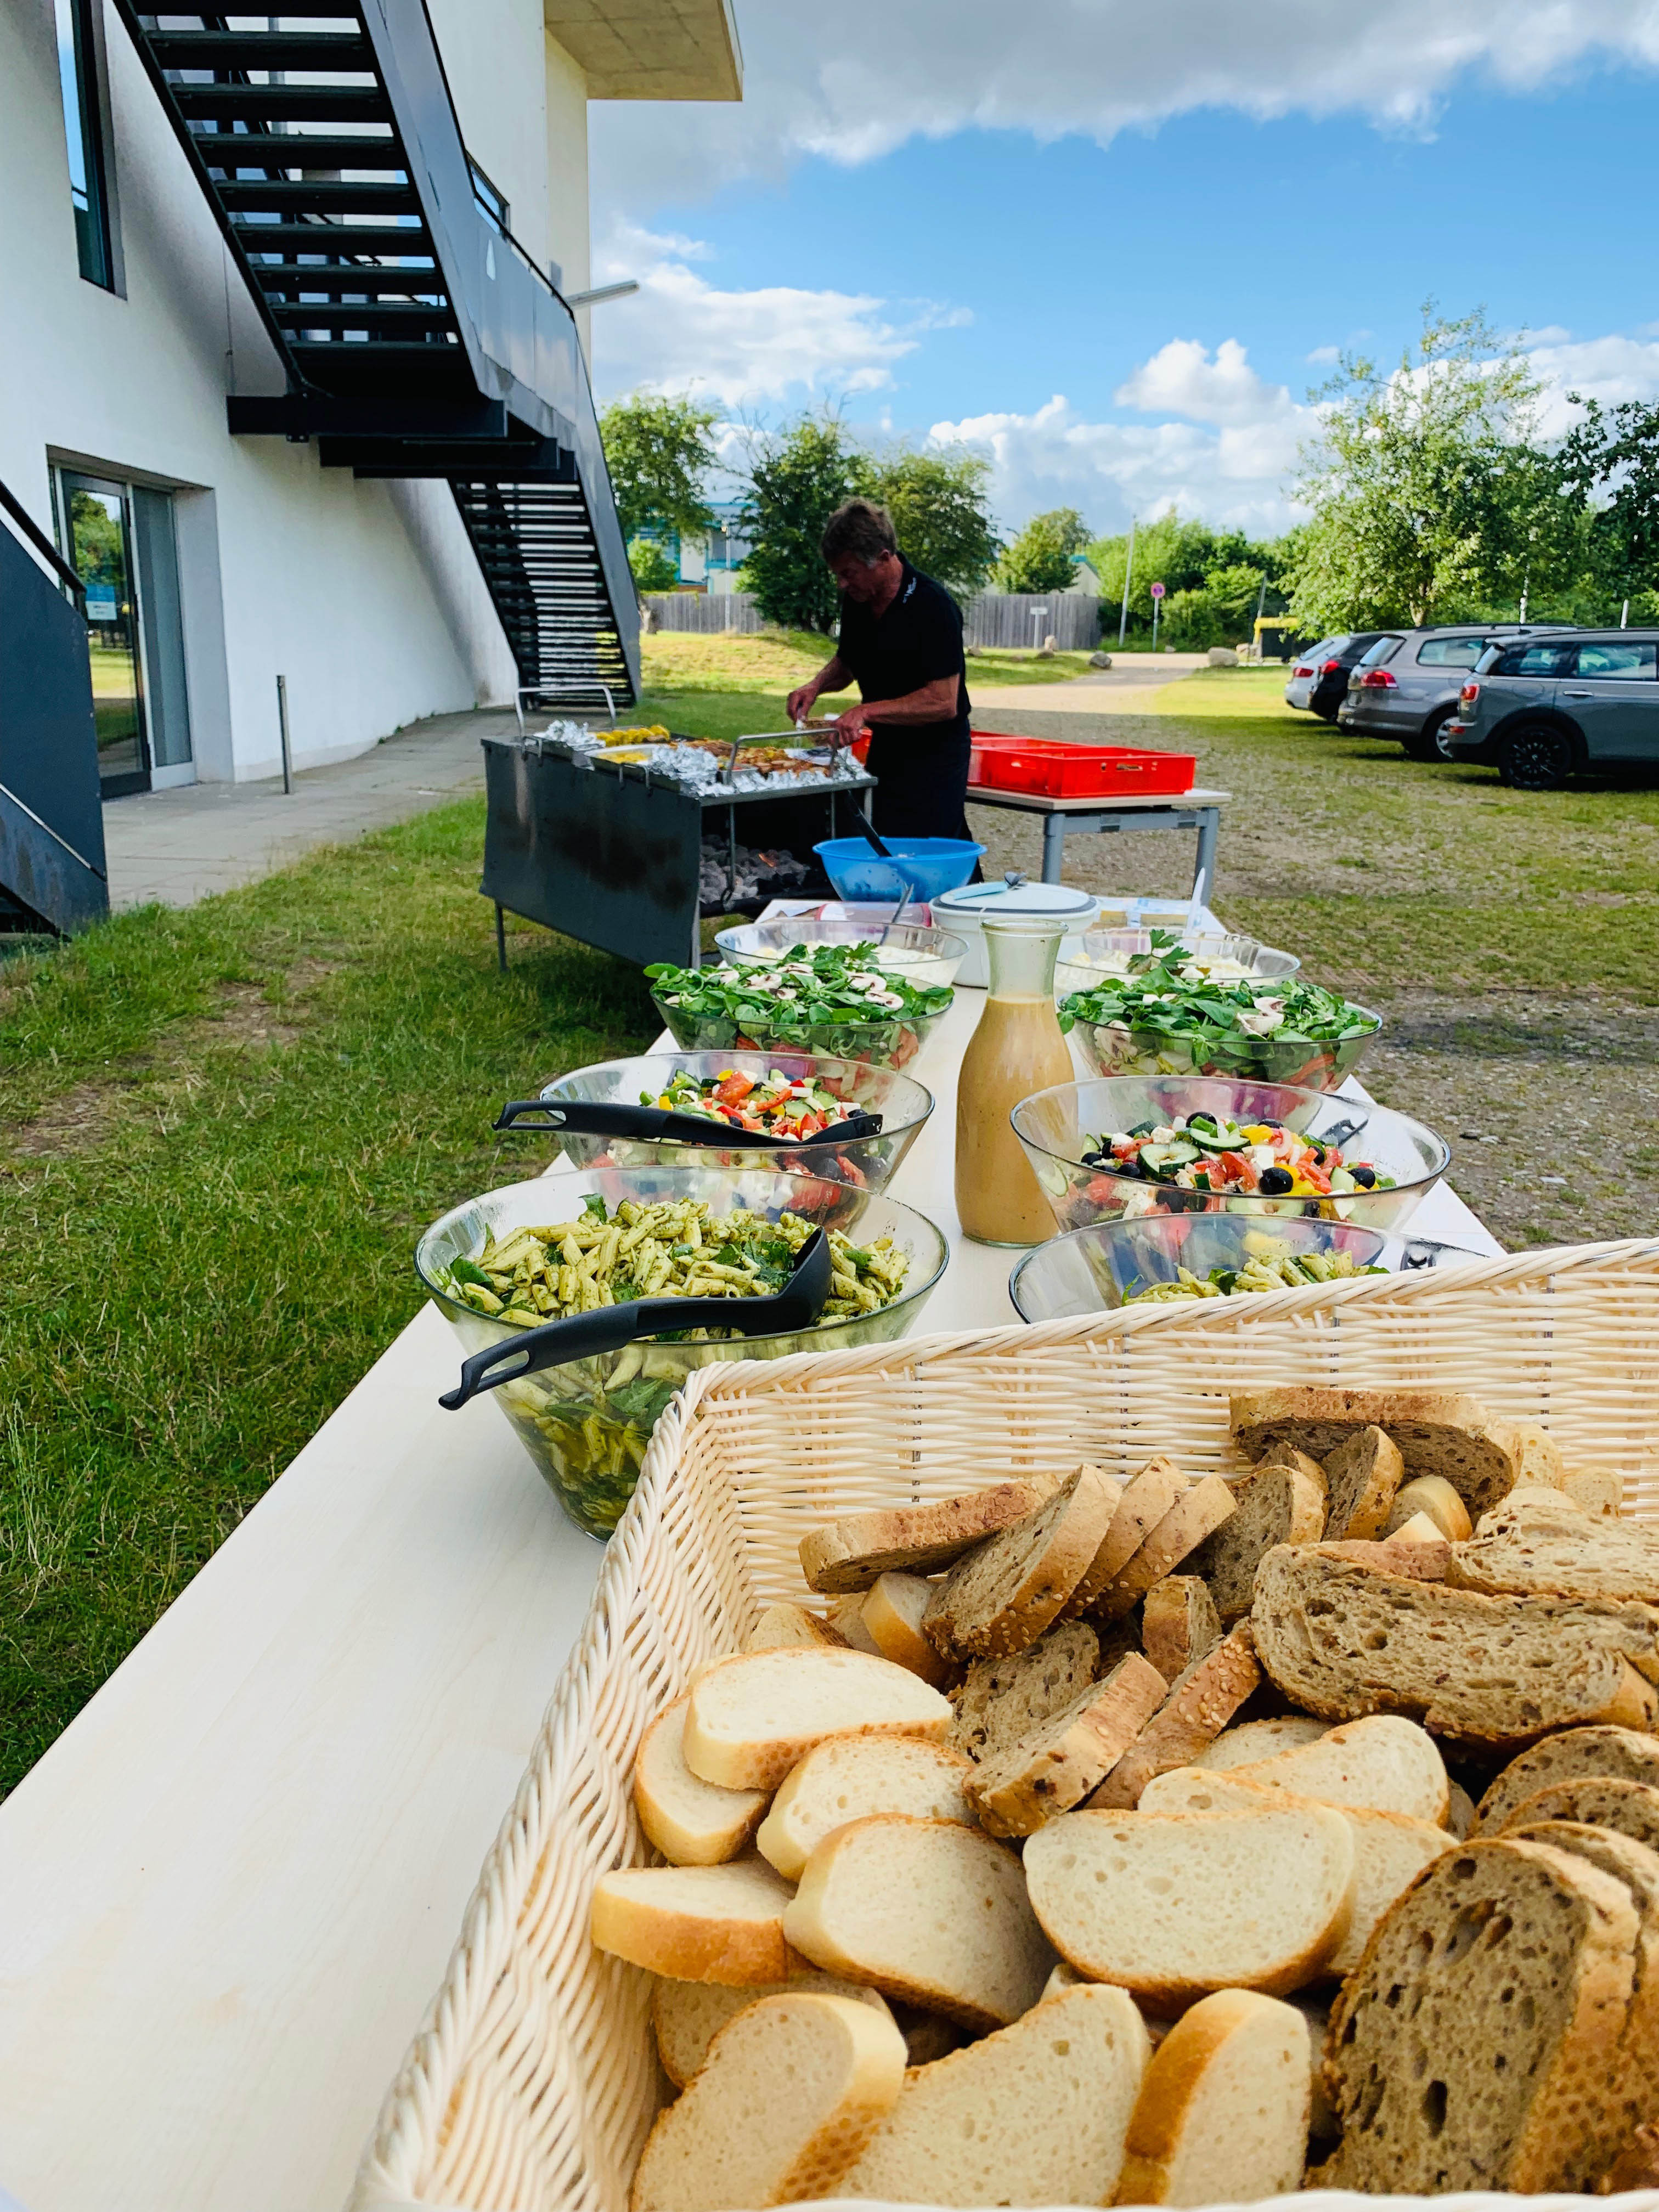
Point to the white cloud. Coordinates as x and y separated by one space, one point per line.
1182 379
1608 369
1324 356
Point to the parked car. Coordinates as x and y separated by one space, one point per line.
1545 707
1319 681
1406 685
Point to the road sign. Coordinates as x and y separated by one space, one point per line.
1157 590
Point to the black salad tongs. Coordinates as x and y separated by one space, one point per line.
608 1329
596 1117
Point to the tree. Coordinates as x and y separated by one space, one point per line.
937 500
1615 453
654 569
797 478
658 452
1213 578
1042 557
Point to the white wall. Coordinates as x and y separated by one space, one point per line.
565 154
492 56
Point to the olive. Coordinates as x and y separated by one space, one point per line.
1365 1177
1096 1160
1276 1181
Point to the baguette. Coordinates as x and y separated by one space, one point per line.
1251 1741
846 1619
1382 1765
784 1625
1179 1624
1443 1432
1001 1597
709 1924
1001 1701
1433 1495
1622 1755
1223 2113
687 2016
752 1717
1280 1503
1140 1505
893 1607
851 1553
1016 1790
851 1777
1200 1704
691 1821
1196 1513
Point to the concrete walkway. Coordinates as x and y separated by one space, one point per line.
1127 687
176 847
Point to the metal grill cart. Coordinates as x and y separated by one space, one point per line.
610 853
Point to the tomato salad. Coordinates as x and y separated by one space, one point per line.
775 1104
1207 1151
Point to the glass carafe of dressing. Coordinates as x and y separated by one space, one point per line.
1019 1048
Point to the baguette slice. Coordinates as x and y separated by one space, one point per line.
753 1717
1223 2113
851 1553
1280 1503
1252 1741
1614 1559
1179 1624
1538 1457
1282 1453
1381 1764
1140 1504
1002 1596
846 1619
1423 1556
893 1608
1362 1477
691 1821
1628 1808
1433 1495
1015 1791
1599 1490
687 2016
1623 1754
851 1777
1034 2114
1443 1432
783 1626
792 2091
1196 1513
924 1911
710 1924
1002 1700
1200 1704
1172 1907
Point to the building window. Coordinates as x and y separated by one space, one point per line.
79 53
492 201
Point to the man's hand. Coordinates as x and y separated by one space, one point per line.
801 702
848 727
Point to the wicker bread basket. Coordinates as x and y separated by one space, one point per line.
532 2081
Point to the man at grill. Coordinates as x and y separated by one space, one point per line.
901 643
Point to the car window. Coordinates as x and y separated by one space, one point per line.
1375 655
1535 660
1338 644
1634 661
1451 652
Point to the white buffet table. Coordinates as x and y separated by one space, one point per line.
229 1889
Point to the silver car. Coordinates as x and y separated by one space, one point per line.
1407 686
1542 708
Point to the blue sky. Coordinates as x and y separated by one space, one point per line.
1166 275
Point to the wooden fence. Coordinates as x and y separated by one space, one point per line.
991 619
709 614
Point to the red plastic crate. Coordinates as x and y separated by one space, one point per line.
1048 767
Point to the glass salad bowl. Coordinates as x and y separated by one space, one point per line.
586 1424
1109 952
864 1163
1057 1127
1115 1263
925 955
1114 1048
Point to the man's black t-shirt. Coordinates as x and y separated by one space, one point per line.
921 768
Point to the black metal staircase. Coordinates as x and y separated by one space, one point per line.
418 336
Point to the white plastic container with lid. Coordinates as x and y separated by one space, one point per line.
963 912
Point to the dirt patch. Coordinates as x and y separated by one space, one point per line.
77 1122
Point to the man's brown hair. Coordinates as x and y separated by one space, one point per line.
861 527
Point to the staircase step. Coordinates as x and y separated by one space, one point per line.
294 149
395 318
341 50
334 238
288 276
316 196
283 103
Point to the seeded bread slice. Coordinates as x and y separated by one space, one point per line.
691 1821
1443 1432
1016 1791
1196 1513
1280 1503
851 1553
1341 1642
1251 1741
1179 1624
1282 1453
709 1924
852 1776
1433 1495
1223 2113
1001 1701
1361 1476
792 2091
752 1716
1382 1765
1613 1559
892 1611
1508 1948
1002 1596
1200 1703
1622 1755
1145 1499
687 2016
1629 1808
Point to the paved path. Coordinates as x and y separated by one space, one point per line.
179 846
1127 687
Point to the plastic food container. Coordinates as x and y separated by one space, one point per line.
586 1426
964 913
926 957
864 1163
1093 1270
1056 1128
1052 768
928 864
1105 954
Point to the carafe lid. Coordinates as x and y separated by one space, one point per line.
1063 901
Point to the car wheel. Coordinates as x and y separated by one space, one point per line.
1430 745
1536 757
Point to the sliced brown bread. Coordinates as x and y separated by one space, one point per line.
1424 1555
1340 1641
1223 2113
1034 2114
1505 1948
1251 1741
849 1553
1443 1432
1361 1476
1196 1513
1383 1764
1048 1771
892 1611
687 2016
784 1625
1179 1624
1433 1495
1460 1812
924 1911
1532 1505
1282 1453
1629 1808
1599 1490
1200 1703
1145 1498
691 1822
851 1777
1623 1754
710 1924
1613 1559
792 2091
1002 1595
1171 1906
1002 1700
753 1715
1280 1503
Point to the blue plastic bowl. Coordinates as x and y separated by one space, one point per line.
928 864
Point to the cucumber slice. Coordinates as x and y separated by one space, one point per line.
1225 1137
1162 1160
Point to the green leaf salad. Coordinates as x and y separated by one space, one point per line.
832 999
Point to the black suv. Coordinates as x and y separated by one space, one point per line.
1542 708
1319 680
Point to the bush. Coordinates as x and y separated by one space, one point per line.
654 569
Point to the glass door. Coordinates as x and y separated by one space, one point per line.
97 520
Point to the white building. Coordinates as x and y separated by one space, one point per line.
358 495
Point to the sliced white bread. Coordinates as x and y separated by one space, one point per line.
1622 1755
687 2016
691 1821
1538 1457
783 1625
927 2035
1179 1624
1141 1504
1381 1764
1016 1790
1223 2113
752 1717
1002 1595
846 1619
1280 1503
1615 1560
893 1607
1033 2114
1420 1529
852 1552
1629 1808
1433 1495
1196 1513
711 1923
1252 1741
1599 1490
1002 1700
927 1911
1443 1432
1361 1476
793 2089
850 1777
1200 1703
1173 1906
